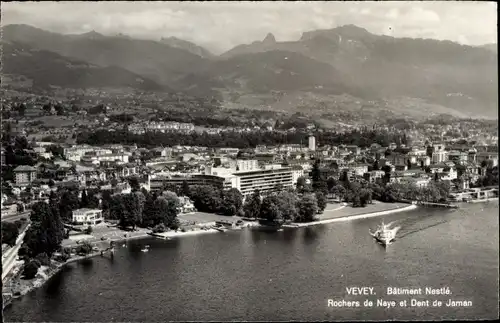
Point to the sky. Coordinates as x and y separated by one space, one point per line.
219 26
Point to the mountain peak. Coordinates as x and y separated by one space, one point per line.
351 28
270 39
171 38
186 45
345 30
91 34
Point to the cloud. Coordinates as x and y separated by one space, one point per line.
220 26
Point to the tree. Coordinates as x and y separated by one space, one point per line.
68 202
106 200
376 191
43 259
162 210
301 182
46 231
331 183
84 202
232 201
321 200
270 210
308 208
339 191
491 177
206 198
134 183
252 205
287 203
159 228
316 175
185 191
10 232
31 269
85 248
56 150
365 196
114 182
166 210
92 200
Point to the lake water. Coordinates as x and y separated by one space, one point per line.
288 275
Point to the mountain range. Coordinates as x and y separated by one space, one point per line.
45 69
346 61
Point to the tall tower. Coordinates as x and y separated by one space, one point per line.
312 143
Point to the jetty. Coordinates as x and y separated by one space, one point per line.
432 204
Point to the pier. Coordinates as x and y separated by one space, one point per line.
431 204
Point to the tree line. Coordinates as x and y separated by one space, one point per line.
235 139
359 193
42 238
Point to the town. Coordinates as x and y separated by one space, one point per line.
252 161
129 187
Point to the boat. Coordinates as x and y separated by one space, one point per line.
220 229
145 249
384 234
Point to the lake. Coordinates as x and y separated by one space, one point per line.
290 275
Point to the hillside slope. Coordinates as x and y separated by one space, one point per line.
45 69
151 59
442 72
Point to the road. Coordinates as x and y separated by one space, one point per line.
15 217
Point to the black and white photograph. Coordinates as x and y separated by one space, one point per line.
252 161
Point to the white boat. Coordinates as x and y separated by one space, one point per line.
384 234
145 249
220 228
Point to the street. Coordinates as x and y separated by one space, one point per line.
15 217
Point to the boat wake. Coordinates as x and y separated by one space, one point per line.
409 230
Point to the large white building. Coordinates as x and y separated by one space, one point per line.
265 180
24 175
312 143
160 127
97 158
76 152
87 216
439 154
248 178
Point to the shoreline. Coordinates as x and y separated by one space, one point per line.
47 273
352 217
491 199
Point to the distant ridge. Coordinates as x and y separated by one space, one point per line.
348 60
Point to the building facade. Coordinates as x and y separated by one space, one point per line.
86 216
24 175
312 143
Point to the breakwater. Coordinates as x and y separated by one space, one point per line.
353 217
